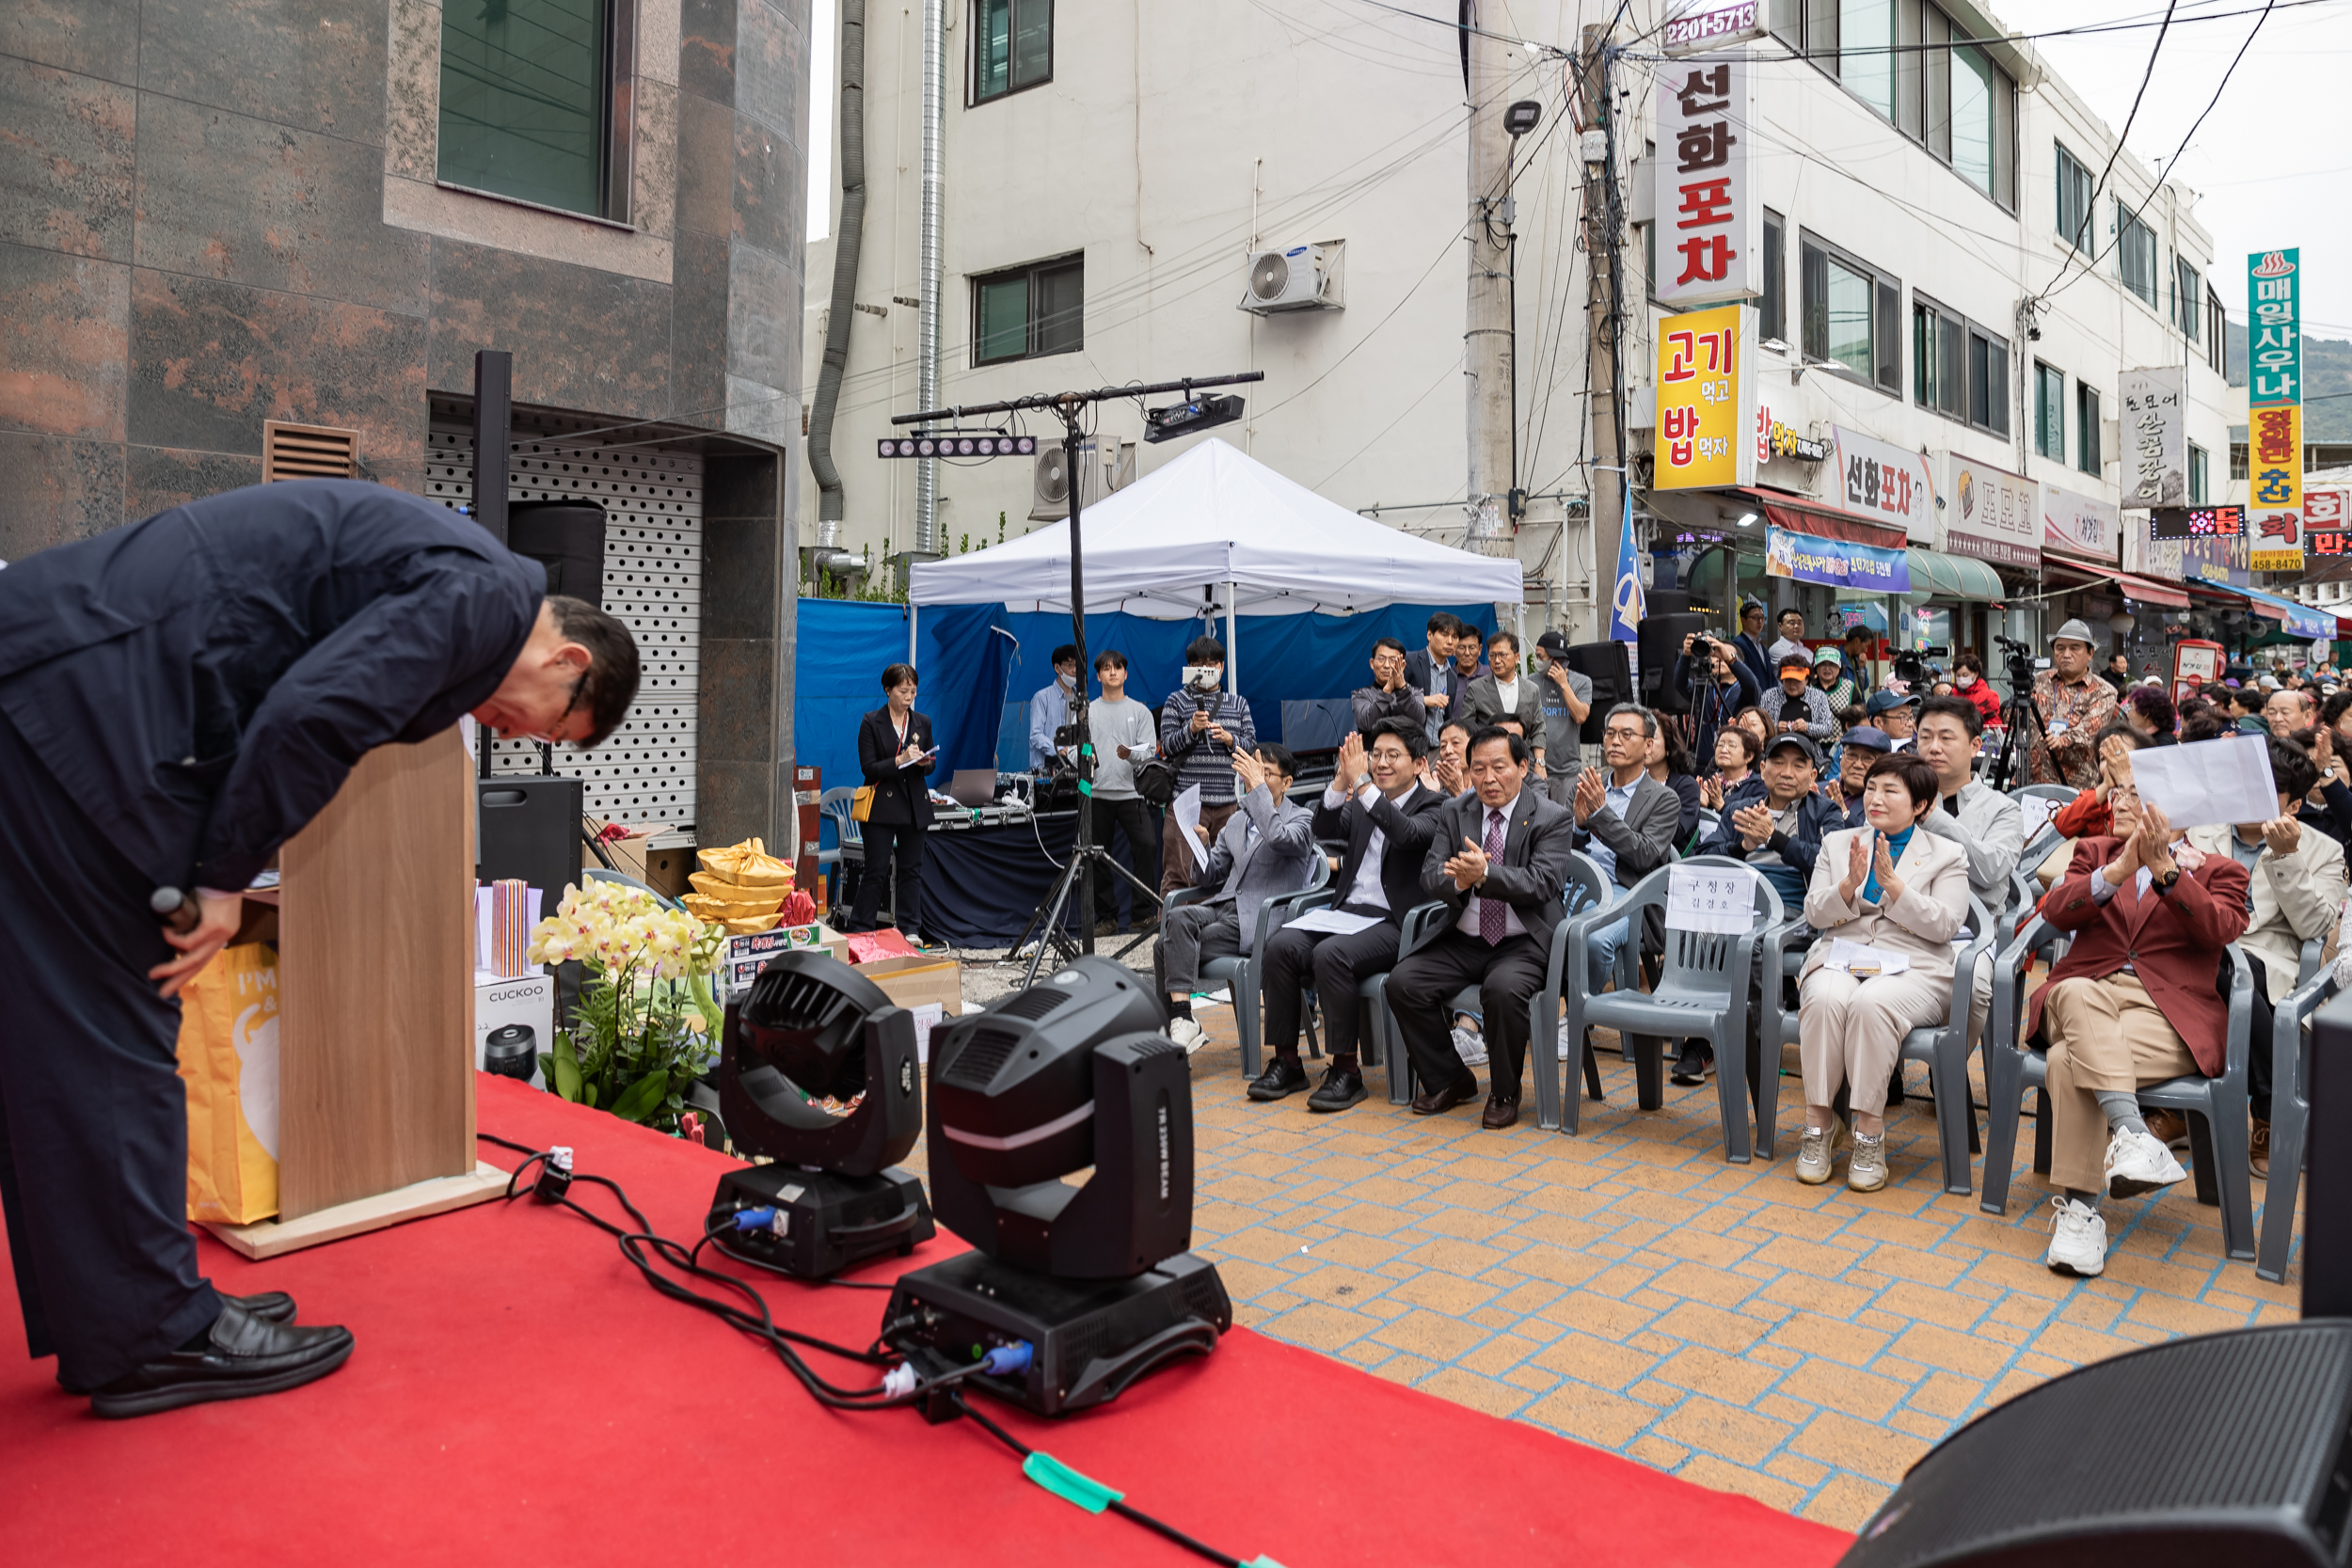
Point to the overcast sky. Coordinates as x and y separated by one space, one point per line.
2271 164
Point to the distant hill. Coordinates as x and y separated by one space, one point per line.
2326 368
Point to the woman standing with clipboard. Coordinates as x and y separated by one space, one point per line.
895 754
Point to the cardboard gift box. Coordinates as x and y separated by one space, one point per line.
919 979
741 958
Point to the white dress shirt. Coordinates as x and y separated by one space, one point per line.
1507 693
1512 925
1367 892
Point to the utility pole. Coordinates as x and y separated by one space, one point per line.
1486 338
1606 507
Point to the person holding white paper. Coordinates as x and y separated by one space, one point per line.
1901 891
1265 848
1377 802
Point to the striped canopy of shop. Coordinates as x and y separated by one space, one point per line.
1937 575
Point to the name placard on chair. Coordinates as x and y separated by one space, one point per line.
1715 898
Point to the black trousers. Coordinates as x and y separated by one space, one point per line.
93 1115
891 845
1421 992
1190 935
1134 818
1334 966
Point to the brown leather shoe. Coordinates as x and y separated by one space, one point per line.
2259 1147
2168 1128
1439 1101
1499 1113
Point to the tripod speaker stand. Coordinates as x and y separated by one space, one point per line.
1070 407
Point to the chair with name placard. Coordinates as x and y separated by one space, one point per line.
1702 990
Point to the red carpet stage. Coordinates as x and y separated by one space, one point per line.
519 1395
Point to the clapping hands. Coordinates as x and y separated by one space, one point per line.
1468 867
1249 770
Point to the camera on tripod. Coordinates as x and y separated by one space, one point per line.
2018 660
1911 663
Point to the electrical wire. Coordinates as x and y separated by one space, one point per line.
635 1246
2147 75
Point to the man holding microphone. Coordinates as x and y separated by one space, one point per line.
178 698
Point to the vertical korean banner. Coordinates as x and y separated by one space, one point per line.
1710 217
1704 407
2274 396
2155 438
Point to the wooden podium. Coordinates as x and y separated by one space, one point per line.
375 965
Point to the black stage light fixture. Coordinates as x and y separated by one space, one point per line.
1095 1279
989 445
818 1071
1183 419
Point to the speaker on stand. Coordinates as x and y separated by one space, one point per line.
1660 644
1604 665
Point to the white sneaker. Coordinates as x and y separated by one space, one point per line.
1186 1033
2078 1239
1471 1046
1814 1152
2137 1163
1867 1171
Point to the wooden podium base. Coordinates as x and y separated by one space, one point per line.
438 1195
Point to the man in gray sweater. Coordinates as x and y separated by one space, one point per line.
1124 737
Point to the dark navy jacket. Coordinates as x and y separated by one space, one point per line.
203 681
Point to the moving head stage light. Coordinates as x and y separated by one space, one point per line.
818 1071
1089 1286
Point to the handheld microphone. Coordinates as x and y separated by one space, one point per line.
175 908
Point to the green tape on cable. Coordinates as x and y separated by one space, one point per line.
1086 786
1067 1483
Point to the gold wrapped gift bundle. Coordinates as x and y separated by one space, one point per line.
742 888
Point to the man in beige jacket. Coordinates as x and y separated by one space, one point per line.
1901 894
2299 882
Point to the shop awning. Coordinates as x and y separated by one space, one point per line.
2139 590
1798 518
2300 620
1936 575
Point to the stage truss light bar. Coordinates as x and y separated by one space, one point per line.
951 445
1183 419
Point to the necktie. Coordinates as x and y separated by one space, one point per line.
1493 912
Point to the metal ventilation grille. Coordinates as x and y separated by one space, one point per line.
652 580
1269 278
976 1065
306 451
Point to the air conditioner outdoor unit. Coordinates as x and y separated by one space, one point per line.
1104 465
1302 277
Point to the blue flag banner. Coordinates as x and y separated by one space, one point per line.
1625 598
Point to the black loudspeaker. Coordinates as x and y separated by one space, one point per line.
2223 1449
1665 601
1604 665
529 829
565 537
1660 644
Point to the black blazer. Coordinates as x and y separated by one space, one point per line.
1535 849
900 794
202 682
1407 830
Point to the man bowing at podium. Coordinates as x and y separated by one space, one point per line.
178 698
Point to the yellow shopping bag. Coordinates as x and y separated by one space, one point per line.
229 1057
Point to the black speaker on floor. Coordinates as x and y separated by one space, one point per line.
1604 665
2223 1449
528 828
1660 645
565 537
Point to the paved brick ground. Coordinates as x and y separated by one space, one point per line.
1629 1289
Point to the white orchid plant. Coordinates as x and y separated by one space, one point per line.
646 1024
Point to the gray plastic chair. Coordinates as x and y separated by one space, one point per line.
1943 1046
2290 1108
1702 993
2055 794
598 874
1421 924
1242 975
848 837
2216 1107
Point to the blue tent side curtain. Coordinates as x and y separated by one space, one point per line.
974 659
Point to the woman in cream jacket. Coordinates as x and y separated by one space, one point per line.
1899 891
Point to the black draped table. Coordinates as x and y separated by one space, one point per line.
981 882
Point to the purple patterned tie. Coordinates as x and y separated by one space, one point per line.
1492 912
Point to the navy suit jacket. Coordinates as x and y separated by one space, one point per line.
203 681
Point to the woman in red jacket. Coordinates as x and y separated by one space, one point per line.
1968 677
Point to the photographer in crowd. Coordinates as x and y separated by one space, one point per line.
1202 727
1719 683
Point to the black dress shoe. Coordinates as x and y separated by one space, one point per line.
1439 1101
1342 1086
1690 1067
271 1307
1500 1113
1283 1077
242 1355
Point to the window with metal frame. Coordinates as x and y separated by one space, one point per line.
2217 333
1852 314
2049 411
2198 463
2189 296
1013 46
2134 254
1910 62
1959 368
533 101
1773 307
2088 455
1026 312
2074 199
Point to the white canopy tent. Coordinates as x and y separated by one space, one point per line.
1217 533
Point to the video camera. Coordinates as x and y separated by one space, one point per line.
2018 662
1910 664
